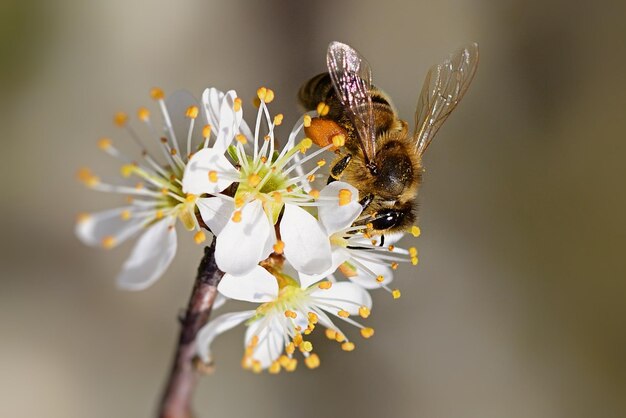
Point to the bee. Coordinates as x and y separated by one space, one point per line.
380 157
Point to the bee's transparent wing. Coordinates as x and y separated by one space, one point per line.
352 79
443 89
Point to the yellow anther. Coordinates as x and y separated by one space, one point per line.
199 237
87 178
414 261
127 170
340 337
261 93
191 198
256 367
278 198
158 214
312 361
206 131
120 119
305 144
256 102
165 191
125 215
339 140
279 247
306 346
104 143
394 266
239 202
314 193
380 278
367 332
274 368
306 121
325 285
364 312
192 112
241 138
263 159
290 348
396 293
278 119
236 216
291 366
311 178
83 217
297 339
413 252
313 318
391 248
347 270
331 334
347 346
213 176
109 242
322 109
254 341
143 114
237 104
321 163
254 179
173 151
415 230
290 314
345 196
269 96
343 313
369 225
156 93
284 360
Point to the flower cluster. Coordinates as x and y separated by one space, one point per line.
280 238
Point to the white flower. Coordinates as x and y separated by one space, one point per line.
156 202
269 183
287 312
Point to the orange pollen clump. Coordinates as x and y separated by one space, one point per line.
391 248
367 332
347 346
156 93
236 216
192 112
311 178
380 278
325 285
290 314
312 361
339 140
322 109
345 196
364 312
306 121
394 266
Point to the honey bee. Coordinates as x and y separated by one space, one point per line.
380 157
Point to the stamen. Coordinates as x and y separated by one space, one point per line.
241 138
322 109
364 312
396 293
367 332
345 196
236 216
314 193
313 318
254 179
306 346
237 104
274 368
306 121
279 247
312 361
339 140
380 278
156 93
192 112
343 313
143 114
278 119
291 366
331 334
394 266
290 314
199 237
109 242
347 346
290 348
321 163
415 230
325 285
213 176
104 144
120 119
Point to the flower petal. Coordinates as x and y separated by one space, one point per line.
332 215
94 228
259 286
347 296
306 245
212 100
271 335
240 245
196 178
151 256
339 255
215 327
215 212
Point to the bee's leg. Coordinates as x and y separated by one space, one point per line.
365 202
337 170
382 240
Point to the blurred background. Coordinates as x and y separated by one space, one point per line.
518 306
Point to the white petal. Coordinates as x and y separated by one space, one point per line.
344 295
333 216
240 245
196 177
215 212
215 327
366 279
228 123
211 102
94 228
339 255
220 300
271 336
306 245
256 286
151 256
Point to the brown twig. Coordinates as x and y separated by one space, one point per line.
176 399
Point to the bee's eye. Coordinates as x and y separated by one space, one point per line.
387 218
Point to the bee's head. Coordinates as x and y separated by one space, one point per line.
396 218
395 170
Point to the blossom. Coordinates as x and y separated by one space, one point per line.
270 184
287 312
156 201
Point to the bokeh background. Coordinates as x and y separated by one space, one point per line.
518 306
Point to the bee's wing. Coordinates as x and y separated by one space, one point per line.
352 79
443 89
